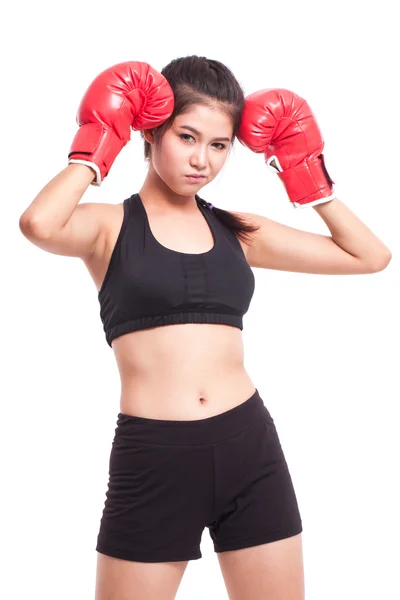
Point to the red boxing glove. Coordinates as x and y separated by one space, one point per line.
280 123
129 94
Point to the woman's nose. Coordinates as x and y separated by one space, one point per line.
200 156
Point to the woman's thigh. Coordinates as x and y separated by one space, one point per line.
273 570
131 580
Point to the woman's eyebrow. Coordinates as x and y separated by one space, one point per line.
226 139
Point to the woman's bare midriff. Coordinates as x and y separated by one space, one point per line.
182 372
179 372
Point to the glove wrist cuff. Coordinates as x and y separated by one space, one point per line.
96 143
306 184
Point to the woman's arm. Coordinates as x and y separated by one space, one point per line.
351 234
55 203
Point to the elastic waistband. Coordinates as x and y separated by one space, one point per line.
192 433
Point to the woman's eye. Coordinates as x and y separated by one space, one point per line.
183 135
186 135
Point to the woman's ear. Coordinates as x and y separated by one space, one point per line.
148 135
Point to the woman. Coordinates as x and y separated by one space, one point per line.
194 445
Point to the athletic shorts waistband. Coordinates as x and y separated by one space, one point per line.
198 432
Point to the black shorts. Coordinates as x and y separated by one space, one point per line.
168 480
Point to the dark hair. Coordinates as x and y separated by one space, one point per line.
199 80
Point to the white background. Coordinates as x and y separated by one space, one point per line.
322 350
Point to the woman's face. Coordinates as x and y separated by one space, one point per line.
184 152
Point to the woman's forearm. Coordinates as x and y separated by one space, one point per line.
351 234
56 202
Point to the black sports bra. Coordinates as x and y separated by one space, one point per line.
148 285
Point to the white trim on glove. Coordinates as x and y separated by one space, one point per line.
320 201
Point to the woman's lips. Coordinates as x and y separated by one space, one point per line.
195 179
